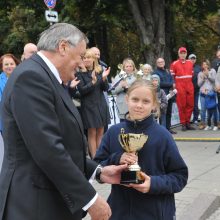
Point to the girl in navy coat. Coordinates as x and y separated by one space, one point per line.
163 168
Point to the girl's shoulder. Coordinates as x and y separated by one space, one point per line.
116 127
160 132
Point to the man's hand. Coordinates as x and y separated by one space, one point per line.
100 210
112 174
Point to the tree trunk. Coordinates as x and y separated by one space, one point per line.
149 16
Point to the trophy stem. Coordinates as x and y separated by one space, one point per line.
134 167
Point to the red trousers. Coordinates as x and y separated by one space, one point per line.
185 99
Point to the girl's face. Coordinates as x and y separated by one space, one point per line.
88 62
128 68
205 66
8 65
140 103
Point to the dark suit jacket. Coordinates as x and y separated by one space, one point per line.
45 167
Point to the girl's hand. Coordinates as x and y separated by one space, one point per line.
94 78
74 83
128 158
143 187
205 73
106 73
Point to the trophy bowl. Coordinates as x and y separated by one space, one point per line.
132 143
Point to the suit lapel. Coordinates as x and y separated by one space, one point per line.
62 92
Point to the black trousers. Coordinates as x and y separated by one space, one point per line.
169 113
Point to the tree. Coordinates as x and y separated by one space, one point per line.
143 29
150 18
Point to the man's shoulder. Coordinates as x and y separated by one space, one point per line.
175 62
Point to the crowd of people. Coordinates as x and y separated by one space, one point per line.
46 138
197 88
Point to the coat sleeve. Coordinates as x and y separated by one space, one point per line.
33 106
104 85
164 102
175 175
200 79
85 87
104 154
118 88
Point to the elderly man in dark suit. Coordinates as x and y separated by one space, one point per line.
45 170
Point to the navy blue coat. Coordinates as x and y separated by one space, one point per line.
159 158
166 79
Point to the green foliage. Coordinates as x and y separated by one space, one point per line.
110 26
197 28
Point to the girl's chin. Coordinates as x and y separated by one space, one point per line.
138 117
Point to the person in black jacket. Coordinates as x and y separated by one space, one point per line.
45 170
163 169
94 109
167 84
196 70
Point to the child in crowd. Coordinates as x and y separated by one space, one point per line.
163 169
211 106
162 99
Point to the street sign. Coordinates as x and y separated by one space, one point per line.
51 16
50 3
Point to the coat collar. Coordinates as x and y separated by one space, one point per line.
143 124
60 89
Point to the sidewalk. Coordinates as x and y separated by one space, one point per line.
203 164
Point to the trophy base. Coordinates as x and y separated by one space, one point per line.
131 177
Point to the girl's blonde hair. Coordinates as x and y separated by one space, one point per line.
130 61
148 84
90 54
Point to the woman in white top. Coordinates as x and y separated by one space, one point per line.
126 79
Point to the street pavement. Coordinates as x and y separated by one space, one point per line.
204 169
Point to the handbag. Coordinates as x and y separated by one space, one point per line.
210 100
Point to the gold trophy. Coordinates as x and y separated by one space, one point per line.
132 143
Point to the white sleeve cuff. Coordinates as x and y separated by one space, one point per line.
86 207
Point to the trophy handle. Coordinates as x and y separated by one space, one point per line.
123 140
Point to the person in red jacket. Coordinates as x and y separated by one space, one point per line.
182 71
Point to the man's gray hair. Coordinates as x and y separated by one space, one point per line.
50 38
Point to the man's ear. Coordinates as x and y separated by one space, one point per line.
62 47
